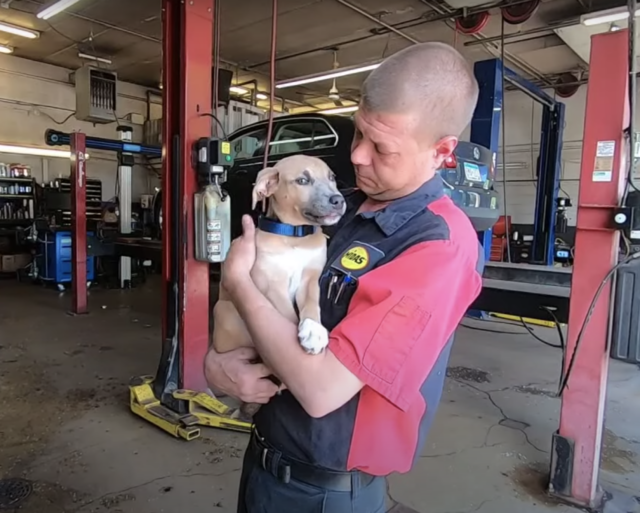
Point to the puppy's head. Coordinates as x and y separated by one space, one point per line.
301 190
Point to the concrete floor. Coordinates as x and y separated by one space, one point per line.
64 421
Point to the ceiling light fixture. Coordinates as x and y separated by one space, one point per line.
57 8
607 16
327 76
6 49
340 110
238 90
94 58
18 31
243 91
38 152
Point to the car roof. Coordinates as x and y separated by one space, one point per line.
336 121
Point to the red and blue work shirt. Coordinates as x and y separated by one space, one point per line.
416 267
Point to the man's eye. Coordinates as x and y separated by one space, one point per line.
302 181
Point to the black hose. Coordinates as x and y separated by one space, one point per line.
633 89
504 149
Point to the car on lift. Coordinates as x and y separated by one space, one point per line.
468 174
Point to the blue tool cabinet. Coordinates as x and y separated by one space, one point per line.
54 257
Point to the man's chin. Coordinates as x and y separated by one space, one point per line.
366 186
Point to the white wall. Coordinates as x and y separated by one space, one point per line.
33 95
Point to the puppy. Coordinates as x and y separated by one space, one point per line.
302 193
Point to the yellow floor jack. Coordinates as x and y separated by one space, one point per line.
200 409
159 400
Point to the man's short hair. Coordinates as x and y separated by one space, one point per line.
432 80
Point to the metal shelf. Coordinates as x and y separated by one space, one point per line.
4 222
17 196
15 179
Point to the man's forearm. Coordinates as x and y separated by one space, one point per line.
276 339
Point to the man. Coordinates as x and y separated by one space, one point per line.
403 267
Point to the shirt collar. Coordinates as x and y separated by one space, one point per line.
391 218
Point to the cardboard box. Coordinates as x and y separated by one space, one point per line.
11 263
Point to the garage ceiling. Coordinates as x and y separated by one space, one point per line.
128 33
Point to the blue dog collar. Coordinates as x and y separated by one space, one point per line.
269 225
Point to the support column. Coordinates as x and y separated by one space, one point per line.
577 445
78 224
125 165
485 126
187 81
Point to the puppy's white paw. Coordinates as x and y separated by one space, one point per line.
313 336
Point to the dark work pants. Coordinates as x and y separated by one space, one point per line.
262 492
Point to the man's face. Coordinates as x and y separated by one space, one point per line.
393 156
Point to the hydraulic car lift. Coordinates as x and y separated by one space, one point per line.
175 399
577 444
485 130
79 143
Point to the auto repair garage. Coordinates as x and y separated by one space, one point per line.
123 122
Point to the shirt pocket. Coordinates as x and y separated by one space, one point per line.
394 339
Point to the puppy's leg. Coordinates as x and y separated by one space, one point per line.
312 335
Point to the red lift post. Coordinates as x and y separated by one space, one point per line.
577 445
187 88
78 224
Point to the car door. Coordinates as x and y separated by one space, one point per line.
292 136
248 147
308 135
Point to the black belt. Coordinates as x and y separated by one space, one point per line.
285 469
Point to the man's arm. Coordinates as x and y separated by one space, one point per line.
305 375
402 315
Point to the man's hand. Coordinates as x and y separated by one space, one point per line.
233 374
241 257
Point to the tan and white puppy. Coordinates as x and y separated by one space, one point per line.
302 191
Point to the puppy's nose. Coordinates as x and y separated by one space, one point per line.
336 200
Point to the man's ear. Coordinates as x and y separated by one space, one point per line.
444 149
266 184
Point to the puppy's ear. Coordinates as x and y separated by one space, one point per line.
266 184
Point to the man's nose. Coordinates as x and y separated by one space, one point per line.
336 200
360 155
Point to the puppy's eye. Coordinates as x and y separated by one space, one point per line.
332 178
302 180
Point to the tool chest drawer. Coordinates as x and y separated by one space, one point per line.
55 257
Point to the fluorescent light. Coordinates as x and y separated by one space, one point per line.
6 49
327 76
56 8
243 91
607 16
340 110
94 58
39 152
18 31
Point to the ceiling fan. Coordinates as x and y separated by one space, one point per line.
334 94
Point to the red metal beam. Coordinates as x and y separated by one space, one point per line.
78 224
577 446
188 47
